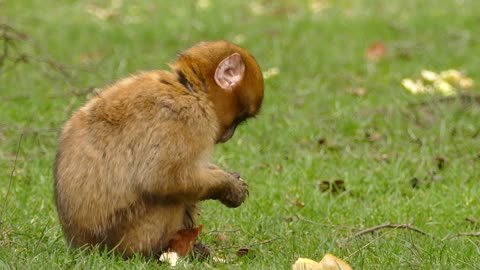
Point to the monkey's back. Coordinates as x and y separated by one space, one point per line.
119 144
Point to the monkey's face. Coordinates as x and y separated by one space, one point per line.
239 94
233 79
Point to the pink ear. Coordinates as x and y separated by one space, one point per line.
230 71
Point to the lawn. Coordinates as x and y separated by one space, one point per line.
332 114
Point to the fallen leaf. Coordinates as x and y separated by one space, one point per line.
322 141
239 39
222 238
317 6
441 162
295 202
288 219
383 157
415 182
373 137
244 251
271 72
183 241
219 260
375 51
334 186
357 91
279 167
89 57
472 220
203 4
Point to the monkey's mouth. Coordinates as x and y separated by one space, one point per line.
227 134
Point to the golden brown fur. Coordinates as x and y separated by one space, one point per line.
134 160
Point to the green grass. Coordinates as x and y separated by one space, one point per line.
320 56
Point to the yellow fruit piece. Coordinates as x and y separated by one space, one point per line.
329 262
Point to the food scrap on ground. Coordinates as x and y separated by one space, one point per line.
329 262
447 83
181 244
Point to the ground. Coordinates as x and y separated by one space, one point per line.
339 147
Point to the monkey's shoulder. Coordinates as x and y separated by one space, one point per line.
153 95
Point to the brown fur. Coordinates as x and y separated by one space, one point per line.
134 160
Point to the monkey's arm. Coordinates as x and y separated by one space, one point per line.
202 183
178 169
231 192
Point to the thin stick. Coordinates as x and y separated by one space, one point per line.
252 244
468 234
222 231
380 227
468 98
390 226
11 178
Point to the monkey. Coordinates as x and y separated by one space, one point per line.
133 162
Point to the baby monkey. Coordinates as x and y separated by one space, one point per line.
133 162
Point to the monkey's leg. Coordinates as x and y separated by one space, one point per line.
199 250
148 233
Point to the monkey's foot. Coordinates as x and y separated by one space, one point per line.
200 251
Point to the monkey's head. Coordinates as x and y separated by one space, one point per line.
231 78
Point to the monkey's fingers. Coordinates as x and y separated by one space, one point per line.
235 194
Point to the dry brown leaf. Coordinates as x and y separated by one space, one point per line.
441 162
295 202
182 242
322 141
472 220
335 186
89 57
373 137
244 251
375 51
222 238
357 91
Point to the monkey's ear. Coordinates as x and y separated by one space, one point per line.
230 71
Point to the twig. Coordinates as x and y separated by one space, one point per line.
468 234
222 231
467 98
26 130
74 92
390 226
250 245
42 235
11 178
380 227
11 38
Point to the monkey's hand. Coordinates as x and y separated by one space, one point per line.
234 192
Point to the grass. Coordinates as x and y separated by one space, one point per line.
387 145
